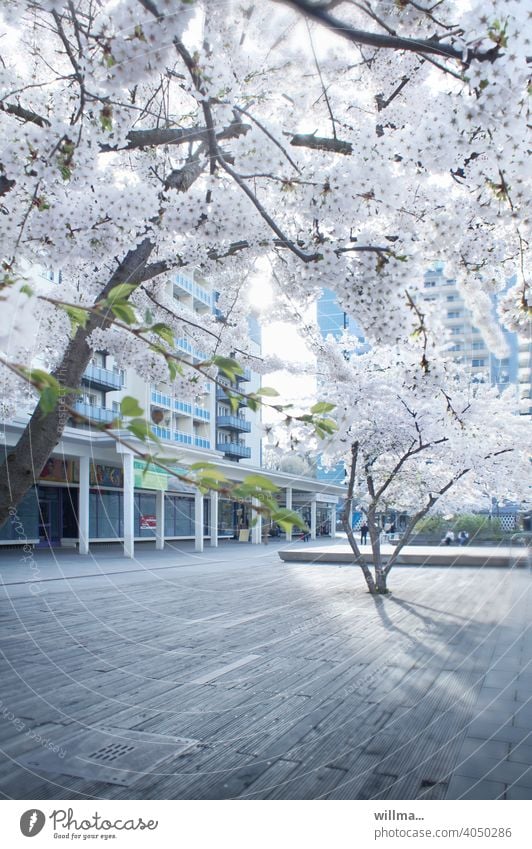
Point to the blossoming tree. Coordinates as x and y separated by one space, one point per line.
341 142
418 443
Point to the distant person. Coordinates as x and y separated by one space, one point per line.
391 529
463 538
448 538
364 534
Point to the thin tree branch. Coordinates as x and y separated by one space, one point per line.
389 42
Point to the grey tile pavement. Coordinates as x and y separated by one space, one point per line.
293 680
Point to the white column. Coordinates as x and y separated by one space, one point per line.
213 519
313 519
333 521
198 520
289 507
256 530
129 504
159 519
83 505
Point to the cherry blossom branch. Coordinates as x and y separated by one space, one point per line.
389 42
267 133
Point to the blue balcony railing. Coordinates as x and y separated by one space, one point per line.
234 449
161 399
97 414
162 432
234 423
200 413
200 442
221 395
183 407
184 283
183 438
102 378
184 345
202 294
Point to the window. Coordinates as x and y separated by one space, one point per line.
116 406
477 363
452 298
455 347
477 346
454 313
455 331
429 283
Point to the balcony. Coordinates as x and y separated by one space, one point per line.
102 378
183 438
162 432
245 376
200 442
201 413
222 396
97 414
234 449
234 423
183 407
182 282
160 399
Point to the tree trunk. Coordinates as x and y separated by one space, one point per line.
23 462
375 538
358 556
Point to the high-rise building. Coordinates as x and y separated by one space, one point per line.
333 321
466 343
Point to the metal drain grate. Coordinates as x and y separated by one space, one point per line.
111 755
111 752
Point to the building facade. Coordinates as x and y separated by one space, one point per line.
93 489
467 346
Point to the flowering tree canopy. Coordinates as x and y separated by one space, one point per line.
343 143
416 442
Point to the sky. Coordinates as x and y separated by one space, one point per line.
282 339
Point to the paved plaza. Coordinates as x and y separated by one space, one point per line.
232 675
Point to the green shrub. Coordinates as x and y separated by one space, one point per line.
479 527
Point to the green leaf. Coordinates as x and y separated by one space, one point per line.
267 391
124 312
234 402
229 367
78 317
322 407
173 368
130 407
210 479
49 398
260 482
120 292
164 332
141 429
287 519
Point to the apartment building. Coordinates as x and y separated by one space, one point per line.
466 343
93 489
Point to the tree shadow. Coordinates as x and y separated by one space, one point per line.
409 605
